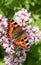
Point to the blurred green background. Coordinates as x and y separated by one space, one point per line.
8 8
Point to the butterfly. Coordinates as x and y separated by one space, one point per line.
17 35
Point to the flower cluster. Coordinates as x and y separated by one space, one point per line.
4 40
9 47
33 34
22 16
12 60
16 55
3 26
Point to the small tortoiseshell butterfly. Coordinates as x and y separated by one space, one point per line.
17 35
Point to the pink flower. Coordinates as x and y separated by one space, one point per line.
7 44
22 16
11 60
33 34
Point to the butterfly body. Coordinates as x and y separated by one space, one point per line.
17 35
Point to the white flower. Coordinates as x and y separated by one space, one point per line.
35 29
36 39
22 16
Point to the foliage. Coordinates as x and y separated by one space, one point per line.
2 52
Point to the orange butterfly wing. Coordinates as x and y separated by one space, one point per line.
14 27
23 42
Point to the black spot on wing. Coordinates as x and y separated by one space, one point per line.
15 23
12 20
27 45
18 26
25 37
22 40
14 28
22 43
27 41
